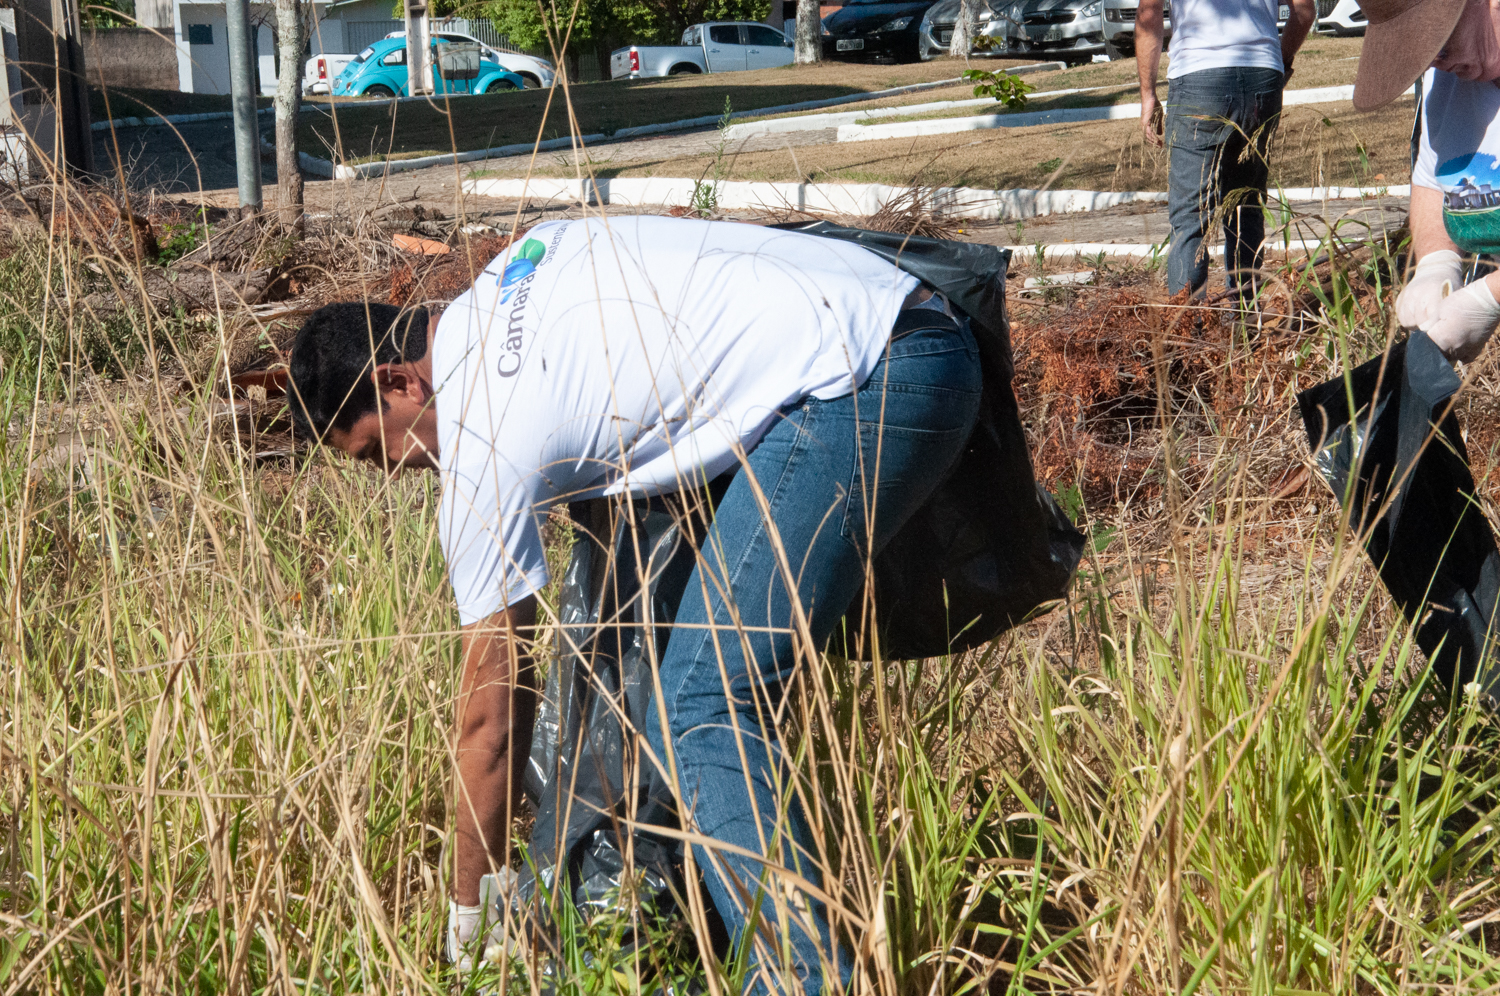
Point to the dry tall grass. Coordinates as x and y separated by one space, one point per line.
230 669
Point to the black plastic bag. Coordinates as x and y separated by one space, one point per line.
588 768
1390 426
990 546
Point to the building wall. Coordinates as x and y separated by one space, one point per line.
131 57
204 33
203 66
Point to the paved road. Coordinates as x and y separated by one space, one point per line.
176 159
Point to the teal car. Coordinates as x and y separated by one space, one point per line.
380 71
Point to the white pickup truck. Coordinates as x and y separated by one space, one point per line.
715 47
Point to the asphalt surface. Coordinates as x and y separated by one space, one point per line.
176 159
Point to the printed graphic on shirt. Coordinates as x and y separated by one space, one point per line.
521 266
1471 201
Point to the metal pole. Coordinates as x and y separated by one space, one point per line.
242 98
418 48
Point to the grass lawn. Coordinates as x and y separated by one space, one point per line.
1316 145
356 132
121 102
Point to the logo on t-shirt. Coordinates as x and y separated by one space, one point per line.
1471 201
522 265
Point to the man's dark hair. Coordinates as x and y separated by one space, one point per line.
332 360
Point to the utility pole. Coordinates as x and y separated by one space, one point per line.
242 99
418 48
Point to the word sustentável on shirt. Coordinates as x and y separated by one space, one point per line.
638 355
1459 154
1224 34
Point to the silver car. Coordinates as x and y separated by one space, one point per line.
936 32
1119 27
1070 31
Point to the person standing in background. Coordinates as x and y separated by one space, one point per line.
1224 84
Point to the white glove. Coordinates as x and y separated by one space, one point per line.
463 926
1437 275
1465 321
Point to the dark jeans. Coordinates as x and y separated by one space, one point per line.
796 521
1219 123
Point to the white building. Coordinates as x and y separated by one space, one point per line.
201 31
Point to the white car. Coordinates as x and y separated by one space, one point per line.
1345 17
535 71
319 72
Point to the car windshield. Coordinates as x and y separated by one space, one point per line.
361 57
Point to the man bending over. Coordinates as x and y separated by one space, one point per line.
642 356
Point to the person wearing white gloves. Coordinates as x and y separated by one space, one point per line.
1455 193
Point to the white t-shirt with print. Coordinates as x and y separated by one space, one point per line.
1223 34
1459 154
639 355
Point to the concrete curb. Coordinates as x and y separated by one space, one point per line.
823 198
1064 249
861 199
818 122
1066 115
339 171
134 122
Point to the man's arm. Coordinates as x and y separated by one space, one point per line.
1298 24
1148 32
1428 233
493 724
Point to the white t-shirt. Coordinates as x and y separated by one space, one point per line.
641 355
1459 154
1223 34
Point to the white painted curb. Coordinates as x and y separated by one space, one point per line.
339 171
1065 115
818 122
1065 250
860 198
134 122
830 198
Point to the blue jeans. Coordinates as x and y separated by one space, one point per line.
825 471
1219 124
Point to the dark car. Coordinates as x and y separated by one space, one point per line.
1070 31
875 29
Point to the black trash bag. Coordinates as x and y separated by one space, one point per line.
587 768
991 546
1413 491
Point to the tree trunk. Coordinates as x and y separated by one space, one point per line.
809 45
963 32
291 39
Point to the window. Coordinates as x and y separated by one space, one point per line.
693 35
200 34
724 34
759 34
361 57
396 58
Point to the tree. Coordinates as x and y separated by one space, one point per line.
809 41
963 31
603 25
291 40
561 28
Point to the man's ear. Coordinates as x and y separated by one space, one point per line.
396 378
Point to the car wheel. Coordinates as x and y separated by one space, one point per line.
532 83
1118 51
379 92
500 86
684 70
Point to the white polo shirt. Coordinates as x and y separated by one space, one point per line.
634 355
